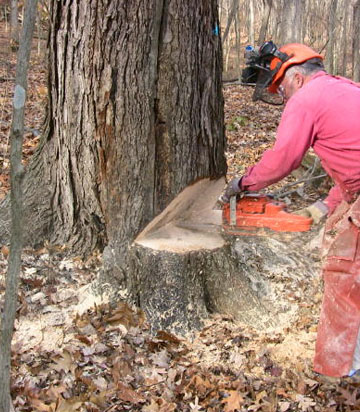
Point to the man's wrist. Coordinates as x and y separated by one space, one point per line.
321 206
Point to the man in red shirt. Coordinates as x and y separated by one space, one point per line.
322 112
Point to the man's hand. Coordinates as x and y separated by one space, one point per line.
317 211
231 189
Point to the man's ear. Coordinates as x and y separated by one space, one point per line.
299 79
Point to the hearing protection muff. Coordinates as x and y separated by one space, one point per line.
258 71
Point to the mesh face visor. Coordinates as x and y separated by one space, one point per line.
258 72
265 76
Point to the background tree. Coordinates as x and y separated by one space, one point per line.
291 27
14 23
330 61
343 43
17 174
356 42
265 21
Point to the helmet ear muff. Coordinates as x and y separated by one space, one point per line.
261 65
266 65
297 54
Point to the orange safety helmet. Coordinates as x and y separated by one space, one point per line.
297 53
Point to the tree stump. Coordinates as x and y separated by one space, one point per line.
184 266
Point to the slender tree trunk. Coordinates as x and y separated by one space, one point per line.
238 43
330 49
14 23
343 52
231 17
16 178
356 43
265 21
275 21
251 22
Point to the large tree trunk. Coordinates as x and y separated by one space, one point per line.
135 115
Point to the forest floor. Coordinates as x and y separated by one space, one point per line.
74 352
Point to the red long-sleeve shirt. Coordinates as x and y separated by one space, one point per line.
325 115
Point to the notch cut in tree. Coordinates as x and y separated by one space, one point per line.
185 267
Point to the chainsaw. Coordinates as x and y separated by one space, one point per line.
255 214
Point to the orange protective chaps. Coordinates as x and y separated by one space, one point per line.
340 313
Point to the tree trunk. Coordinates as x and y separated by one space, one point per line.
356 43
14 24
275 22
238 44
343 49
231 17
330 49
251 22
16 177
265 21
291 22
135 115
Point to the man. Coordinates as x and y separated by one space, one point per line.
322 112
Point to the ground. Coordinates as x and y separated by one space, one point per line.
72 352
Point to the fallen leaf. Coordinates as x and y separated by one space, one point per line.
5 251
68 405
41 406
304 402
233 401
153 407
284 406
168 337
65 363
161 359
129 395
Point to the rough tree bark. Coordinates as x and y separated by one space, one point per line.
135 114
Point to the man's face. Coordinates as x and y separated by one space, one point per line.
290 84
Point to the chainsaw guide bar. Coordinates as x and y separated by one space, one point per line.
257 214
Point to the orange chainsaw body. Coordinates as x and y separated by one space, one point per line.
250 213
